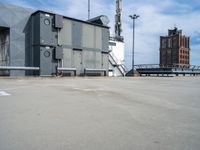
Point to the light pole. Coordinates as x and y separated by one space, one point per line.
134 17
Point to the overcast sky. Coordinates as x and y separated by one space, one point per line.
156 17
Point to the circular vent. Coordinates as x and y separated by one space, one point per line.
47 22
47 53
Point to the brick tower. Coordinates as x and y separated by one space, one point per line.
175 49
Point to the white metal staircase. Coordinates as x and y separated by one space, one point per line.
116 65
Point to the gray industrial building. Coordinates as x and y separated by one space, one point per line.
44 43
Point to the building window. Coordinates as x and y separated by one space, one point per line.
164 43
169 43
174 42
182 41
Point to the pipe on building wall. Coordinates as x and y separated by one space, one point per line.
18 68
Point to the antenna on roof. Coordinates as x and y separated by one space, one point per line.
118 21
118 29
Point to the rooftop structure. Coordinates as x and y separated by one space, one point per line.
51 44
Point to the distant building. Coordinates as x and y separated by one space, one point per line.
175 49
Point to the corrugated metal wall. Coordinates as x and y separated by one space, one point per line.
65 36
15 18
85 45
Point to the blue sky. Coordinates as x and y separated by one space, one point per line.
156 17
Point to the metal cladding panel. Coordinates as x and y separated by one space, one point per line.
16 19
35 22
29 46
59 52
58 21
36 54
98 59
88 36
89 59
48 34
76 34
67 58
98 38
77 61
105 63
47 62
105 39
35 59
65 34
17 58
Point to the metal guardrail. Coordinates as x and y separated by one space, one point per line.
166 66
86 70
68 69
167 69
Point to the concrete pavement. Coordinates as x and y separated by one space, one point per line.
100 113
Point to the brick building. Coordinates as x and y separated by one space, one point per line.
175 49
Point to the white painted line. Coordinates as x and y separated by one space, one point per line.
3 93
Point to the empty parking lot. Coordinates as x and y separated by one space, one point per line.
100 113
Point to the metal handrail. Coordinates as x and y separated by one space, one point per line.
67 69
166 66
94 70
118 65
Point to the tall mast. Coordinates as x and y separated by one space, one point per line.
118 22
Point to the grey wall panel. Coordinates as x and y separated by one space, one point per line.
77 61
48 64
16 19
36 58
89 59
98 60
105 39
35 31
17 50
48 34
67 58
76 34
105 63
36 53
58 21
58 52
28 46
65 34
88 36
98 38
45 61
